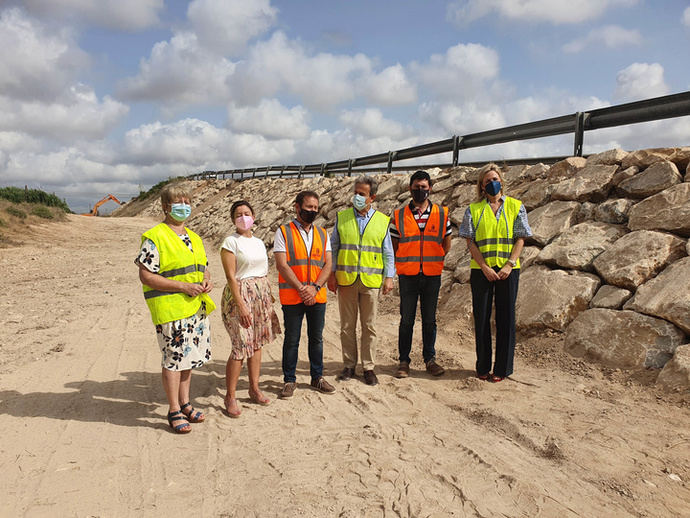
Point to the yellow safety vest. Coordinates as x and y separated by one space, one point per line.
180 264
493 237
360 254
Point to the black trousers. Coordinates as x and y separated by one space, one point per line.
505 294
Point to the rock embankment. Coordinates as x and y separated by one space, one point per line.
608 263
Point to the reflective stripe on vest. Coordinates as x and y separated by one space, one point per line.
420 251
177 263
360 254
306 266
493 237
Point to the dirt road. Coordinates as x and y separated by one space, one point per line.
82 416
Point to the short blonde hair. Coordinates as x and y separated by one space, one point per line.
174 191
482 173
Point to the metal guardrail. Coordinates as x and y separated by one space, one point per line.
658 108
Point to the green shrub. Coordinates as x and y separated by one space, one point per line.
17 213
42 212
17 195
158 187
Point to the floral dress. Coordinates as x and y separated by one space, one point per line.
185 343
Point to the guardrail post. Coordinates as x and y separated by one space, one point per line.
268 170
456 149
323 169
391 157
299 174
254 173
579 133
349 167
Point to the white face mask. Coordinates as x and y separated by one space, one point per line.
359 202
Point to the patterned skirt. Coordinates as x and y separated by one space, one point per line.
256 293
185 343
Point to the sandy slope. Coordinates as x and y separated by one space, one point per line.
82 416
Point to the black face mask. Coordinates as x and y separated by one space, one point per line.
308 216
419 195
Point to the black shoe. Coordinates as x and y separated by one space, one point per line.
370 378
347 374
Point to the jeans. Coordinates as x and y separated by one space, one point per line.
292 322
505 292
425 288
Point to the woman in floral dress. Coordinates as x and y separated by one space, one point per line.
173 271
247 305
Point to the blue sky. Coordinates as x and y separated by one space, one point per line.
112 96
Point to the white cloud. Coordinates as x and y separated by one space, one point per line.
609 36
37 63
371 123
389 87
461 118
282 65
463 12
129 15
76 114
686 17
461 72
270 119
180 71
227 25
640 81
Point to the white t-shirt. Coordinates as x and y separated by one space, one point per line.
250 254
307 237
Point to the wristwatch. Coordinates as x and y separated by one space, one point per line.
512 263
318 288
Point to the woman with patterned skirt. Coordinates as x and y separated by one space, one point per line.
247 305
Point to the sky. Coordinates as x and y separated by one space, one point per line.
112 96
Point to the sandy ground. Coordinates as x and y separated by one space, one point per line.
82 415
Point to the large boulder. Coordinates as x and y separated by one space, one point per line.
566 168
622 339
624 174
610 297
589 184
463 195
676 373
613 211
610 157
458 249
528 255
666 296
667 210
550 220
637 257
534 194
578 246
643 158
552 298
652 180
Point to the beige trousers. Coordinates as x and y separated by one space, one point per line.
353 299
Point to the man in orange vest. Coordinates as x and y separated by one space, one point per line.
303 258
421 234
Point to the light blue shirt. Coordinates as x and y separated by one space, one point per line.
386 250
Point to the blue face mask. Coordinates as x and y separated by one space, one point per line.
359 202
180 211
493 188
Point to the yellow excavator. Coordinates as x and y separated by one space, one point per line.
94 211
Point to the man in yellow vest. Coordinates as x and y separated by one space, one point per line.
364 262
421 234
303 259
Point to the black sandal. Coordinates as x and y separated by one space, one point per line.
193 416
180 428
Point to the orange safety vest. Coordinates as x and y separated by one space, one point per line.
420 251
306 265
